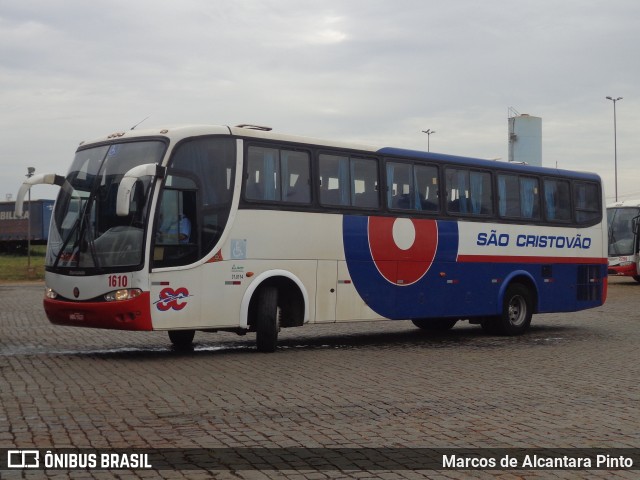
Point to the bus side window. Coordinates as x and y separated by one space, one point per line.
518 197
529 197
557 200
480 194
263 174
174 223
586 199
202 173
469 192
364 183
509 196
296 181
348 181
275 175
412 187
334 180
457 190
399 188
426 180
177 230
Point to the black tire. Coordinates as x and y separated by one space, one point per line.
267 321
435 324
182 339
636 278
517 310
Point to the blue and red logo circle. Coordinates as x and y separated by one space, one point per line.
392 261
402 249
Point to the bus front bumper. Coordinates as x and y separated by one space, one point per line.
131 314
628 270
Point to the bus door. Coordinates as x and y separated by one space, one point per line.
176 289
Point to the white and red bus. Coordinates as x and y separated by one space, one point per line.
622 220
239 229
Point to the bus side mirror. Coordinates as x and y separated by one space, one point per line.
123 200
635 225
42 179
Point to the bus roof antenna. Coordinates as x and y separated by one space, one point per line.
134 127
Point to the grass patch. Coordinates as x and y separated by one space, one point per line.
14 267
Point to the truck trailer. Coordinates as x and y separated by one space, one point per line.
14 231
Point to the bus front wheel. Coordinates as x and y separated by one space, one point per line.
182 339
267 319
517 310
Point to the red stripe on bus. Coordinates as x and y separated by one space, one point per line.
529 259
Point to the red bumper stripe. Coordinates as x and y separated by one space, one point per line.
529 259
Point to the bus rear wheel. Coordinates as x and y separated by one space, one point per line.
517 310
267 322
182 339
435 324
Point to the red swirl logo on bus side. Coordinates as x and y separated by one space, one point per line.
171 299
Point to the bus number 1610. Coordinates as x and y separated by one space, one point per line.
118 281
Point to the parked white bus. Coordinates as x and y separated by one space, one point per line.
239 229
622 220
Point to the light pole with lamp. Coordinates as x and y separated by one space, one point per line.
615 144
428 131
30 172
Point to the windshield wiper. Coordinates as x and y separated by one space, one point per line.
62 251
92 246
82 225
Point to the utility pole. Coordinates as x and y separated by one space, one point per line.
615 144
30 172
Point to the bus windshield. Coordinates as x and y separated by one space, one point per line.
85 230
621 236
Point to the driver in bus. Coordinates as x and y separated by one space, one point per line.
174 227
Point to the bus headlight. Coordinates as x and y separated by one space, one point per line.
124 294
50 293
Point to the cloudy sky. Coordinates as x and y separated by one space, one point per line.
372 71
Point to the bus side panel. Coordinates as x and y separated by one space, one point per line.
308 245
465 272
176 298
350 305
567 265
400 278
327 279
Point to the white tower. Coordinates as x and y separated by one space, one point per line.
525 139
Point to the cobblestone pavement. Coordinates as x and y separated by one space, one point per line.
571 382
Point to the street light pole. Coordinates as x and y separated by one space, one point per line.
615 144
30 172
428 131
